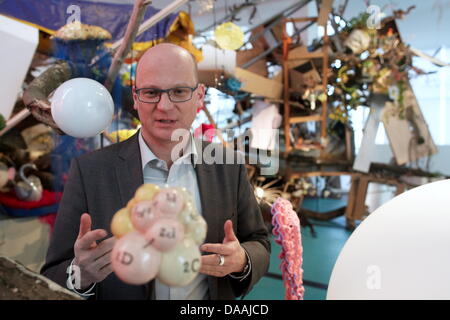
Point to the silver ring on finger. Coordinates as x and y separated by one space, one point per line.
221 260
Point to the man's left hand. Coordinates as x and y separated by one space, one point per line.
231 250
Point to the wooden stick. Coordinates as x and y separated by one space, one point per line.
15 120
154 20
126 42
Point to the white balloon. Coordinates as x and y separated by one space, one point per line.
401 251
196 230
82 107
180 265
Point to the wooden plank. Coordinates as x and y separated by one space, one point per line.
325 9
292 103
17 118
348 144
307 147
307 56
350 210
296 175
254 83
304 19
301 55
305 119
360 200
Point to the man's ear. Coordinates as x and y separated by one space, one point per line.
135 98
201 91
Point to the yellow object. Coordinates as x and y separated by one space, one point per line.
180 33
123 134
146 192
131 203
121 223
229 36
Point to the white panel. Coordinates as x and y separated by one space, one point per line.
18 44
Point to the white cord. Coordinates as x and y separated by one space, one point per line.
70 284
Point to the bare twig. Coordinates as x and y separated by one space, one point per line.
128 39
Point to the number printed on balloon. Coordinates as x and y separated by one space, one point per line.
180 265
143 214
124 257
169 201
165 233
192 266
134 262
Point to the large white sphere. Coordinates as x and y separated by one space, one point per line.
401 251
82 107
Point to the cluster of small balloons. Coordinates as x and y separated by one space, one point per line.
159 233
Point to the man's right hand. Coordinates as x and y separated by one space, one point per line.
92 259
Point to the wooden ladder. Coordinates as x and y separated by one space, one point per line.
321 20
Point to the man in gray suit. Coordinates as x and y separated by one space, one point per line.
236 249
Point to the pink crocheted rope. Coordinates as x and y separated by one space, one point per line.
286 229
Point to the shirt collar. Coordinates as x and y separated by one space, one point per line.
147 155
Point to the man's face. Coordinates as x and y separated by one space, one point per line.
160 119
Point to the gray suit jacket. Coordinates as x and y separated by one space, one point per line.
102 182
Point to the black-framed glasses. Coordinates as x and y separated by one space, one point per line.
177 94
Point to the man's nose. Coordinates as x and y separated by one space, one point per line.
164 102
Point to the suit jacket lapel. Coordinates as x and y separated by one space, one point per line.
129 169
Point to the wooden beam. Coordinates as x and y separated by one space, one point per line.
304 19
11 123
292 103
137 14
259 85
308 56
153 20
305 119
325 9
296 175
